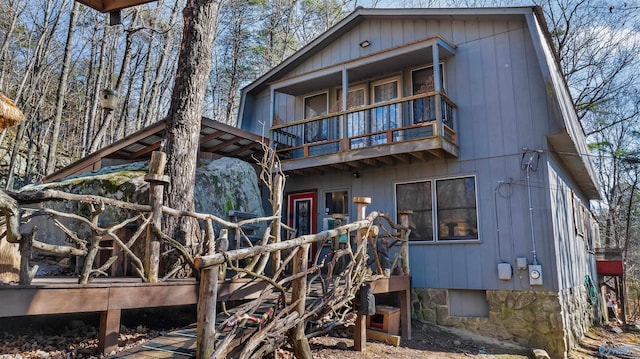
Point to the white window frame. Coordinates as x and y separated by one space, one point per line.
434 209
361 86
383 81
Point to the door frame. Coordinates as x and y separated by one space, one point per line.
299 196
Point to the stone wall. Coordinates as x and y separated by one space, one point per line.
555 321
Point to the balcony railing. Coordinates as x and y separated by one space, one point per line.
406 119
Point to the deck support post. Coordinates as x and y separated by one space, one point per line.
299 293
157 179
360 329
109 331
405 312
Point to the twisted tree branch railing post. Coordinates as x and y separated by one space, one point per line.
405 231
278 186
207 303
299 293
360 330
157 179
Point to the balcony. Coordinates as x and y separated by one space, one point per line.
412 128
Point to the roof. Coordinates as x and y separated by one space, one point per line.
570 143
361 14
215 138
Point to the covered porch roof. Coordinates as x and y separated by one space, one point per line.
216 139
353 71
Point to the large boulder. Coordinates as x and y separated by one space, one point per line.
227 184
221 185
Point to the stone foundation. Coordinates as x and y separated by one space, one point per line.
555 321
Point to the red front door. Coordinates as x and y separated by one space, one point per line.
302 209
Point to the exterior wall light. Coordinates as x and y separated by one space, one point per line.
365 43
355 174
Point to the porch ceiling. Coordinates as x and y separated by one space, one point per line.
367 67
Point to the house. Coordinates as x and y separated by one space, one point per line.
463 117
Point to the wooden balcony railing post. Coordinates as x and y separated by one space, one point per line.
405 217
438 130
298 293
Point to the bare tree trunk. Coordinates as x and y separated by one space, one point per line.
5 44
91 84
91 120
183 124
126 59
157 83
62 89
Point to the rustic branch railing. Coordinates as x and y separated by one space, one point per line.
304 295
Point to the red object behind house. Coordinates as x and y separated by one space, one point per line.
610 267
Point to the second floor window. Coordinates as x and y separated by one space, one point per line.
314 106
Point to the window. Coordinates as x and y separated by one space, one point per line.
384 117
422 82
336 209
314 106
455 211
579 214
336 202
356 121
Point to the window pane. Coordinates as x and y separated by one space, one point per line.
385 117
417 197
316 130
336 202
315 105
423 80
457 212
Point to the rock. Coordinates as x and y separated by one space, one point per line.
457 343
342 346
540 354
227 184
221 185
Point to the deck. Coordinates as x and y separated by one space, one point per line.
109 296
307 292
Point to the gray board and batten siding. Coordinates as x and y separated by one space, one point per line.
498 79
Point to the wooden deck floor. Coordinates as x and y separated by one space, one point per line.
177 344
110 296
182 343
